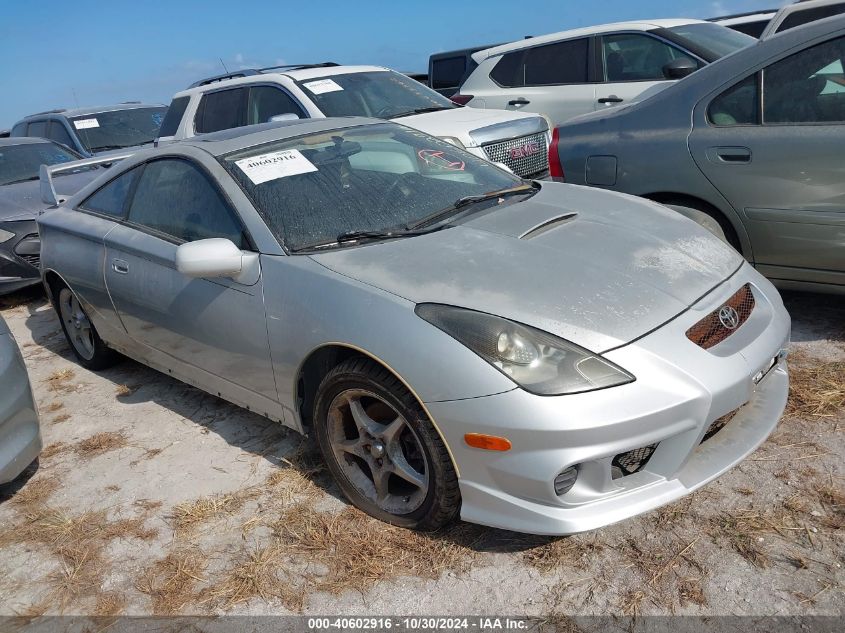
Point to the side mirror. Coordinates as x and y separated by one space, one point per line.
287 116
215 257
679 68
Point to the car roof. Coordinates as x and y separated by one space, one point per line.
728 68
225 141
23 140
74 112
743 18
249 76
638 25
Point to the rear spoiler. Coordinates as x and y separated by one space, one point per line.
46 173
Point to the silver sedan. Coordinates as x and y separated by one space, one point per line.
20 435
533 356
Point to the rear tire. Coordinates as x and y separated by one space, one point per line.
90 350
382 449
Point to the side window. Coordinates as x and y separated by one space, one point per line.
174 116
560 63
19 130
221 110
111 199
508 70
805 16
738 105
448 72
175 198
37 128
58 133
807 87
633 57
266 102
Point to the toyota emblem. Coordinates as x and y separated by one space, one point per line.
729 317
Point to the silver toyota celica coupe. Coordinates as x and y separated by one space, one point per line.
533 356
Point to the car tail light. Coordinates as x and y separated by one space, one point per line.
461 99
555 166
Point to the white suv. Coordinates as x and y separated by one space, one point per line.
566 74
518 140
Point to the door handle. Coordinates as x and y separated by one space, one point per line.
611 99
119 266
520 101
730 155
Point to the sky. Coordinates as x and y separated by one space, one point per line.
60 53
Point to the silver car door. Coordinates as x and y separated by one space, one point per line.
782 165
631 64
210 331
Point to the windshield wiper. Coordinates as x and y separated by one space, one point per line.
421 111
467 200
357 236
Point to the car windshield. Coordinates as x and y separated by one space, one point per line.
312 189
119 128
711 41
19 163
381 94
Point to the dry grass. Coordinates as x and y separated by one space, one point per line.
101 443
189 516
170 583
573 551
109 603
816 387
64 417
59 381
51 450
743 534
121 391
357 551
631 601
53 407
36 490
256 573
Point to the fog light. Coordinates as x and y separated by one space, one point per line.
565 480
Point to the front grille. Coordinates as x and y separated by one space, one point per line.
526 156
631 462
32 260
724 321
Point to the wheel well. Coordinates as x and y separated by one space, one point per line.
685 200
50 279
311 373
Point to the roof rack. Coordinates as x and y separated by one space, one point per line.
741 15
249 72
55 111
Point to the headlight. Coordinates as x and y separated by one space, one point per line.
5 236
454 141
537 361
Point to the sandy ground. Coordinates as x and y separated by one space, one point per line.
153 497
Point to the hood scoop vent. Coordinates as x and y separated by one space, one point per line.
548 225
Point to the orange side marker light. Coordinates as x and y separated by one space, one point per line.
487 442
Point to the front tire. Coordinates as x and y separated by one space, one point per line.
382 449
87 346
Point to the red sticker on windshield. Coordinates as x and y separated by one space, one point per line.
437 158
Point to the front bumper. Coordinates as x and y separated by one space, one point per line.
680 390
20 436
20 256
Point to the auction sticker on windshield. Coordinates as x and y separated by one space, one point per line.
275 165
84 124
322 85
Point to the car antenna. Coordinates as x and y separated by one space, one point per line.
224 65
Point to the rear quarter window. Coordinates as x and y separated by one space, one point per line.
174 116
448 72
799 18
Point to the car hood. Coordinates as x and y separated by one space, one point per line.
460 122
597 268
22 200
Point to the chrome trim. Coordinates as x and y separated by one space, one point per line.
509 130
